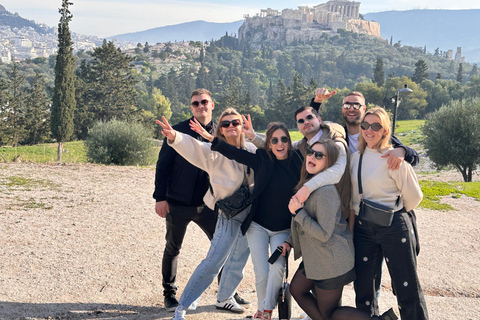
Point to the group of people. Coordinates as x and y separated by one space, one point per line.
304 195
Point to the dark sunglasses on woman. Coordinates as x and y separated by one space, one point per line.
318 154
375 126
204 102
284 139
234 122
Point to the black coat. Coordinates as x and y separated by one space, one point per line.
262 166
177 179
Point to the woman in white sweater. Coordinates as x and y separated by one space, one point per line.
396 189
226 176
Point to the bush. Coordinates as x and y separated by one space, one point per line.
120 143
452 136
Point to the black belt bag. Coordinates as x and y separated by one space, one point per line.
237 202
370 211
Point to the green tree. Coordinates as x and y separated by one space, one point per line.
460 73
412 105
378 73
37 117
420 73
110 93
452 136
63 104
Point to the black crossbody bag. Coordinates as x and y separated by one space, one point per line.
237 202
370 211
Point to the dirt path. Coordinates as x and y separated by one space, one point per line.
83 242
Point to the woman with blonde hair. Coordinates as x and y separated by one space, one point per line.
386 231
226 177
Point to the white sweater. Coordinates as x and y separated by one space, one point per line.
226 175
383 185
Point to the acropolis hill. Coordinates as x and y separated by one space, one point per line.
278 28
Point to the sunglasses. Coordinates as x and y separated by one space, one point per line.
234 122
375 126
284 139
204 102
307 118
318 154
355 105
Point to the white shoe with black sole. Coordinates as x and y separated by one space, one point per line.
230 305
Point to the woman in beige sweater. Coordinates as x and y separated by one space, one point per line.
396 189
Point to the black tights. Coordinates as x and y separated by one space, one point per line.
325 304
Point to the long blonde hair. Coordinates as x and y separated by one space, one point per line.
332 156
219 135
385 142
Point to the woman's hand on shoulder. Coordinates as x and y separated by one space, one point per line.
167 130
198 128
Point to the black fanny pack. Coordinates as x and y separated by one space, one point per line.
370 211
237 202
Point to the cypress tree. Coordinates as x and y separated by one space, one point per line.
63 104
378 73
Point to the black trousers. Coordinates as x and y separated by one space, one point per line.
397 244
177 221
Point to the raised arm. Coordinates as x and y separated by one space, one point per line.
242 156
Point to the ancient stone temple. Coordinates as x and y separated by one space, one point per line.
305 23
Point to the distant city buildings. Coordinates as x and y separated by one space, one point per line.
26 43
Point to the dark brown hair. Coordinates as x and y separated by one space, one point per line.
272 127
332 156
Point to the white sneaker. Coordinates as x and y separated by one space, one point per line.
194 304
230 305
179 313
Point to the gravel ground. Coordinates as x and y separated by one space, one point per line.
84 242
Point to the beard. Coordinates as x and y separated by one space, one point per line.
352 122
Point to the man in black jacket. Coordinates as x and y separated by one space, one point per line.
179 191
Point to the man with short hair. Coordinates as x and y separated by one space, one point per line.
179 190
353 110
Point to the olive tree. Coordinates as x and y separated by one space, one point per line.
452 136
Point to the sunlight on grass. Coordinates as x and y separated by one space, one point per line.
410 131
73 152
434 190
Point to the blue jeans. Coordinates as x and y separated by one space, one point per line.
228 249
268 277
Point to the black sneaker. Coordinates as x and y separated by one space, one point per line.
389 315
170 302
240 300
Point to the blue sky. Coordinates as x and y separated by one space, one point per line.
105 18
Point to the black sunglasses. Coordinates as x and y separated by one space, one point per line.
375 126
307 118
234 122
355 105
203 102
318 154
284 139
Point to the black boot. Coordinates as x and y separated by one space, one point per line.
387 315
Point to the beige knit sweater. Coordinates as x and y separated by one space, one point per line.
382 185
226 175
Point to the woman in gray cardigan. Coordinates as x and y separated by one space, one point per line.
322 238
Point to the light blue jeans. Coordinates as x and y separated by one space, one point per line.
228 249
268 277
